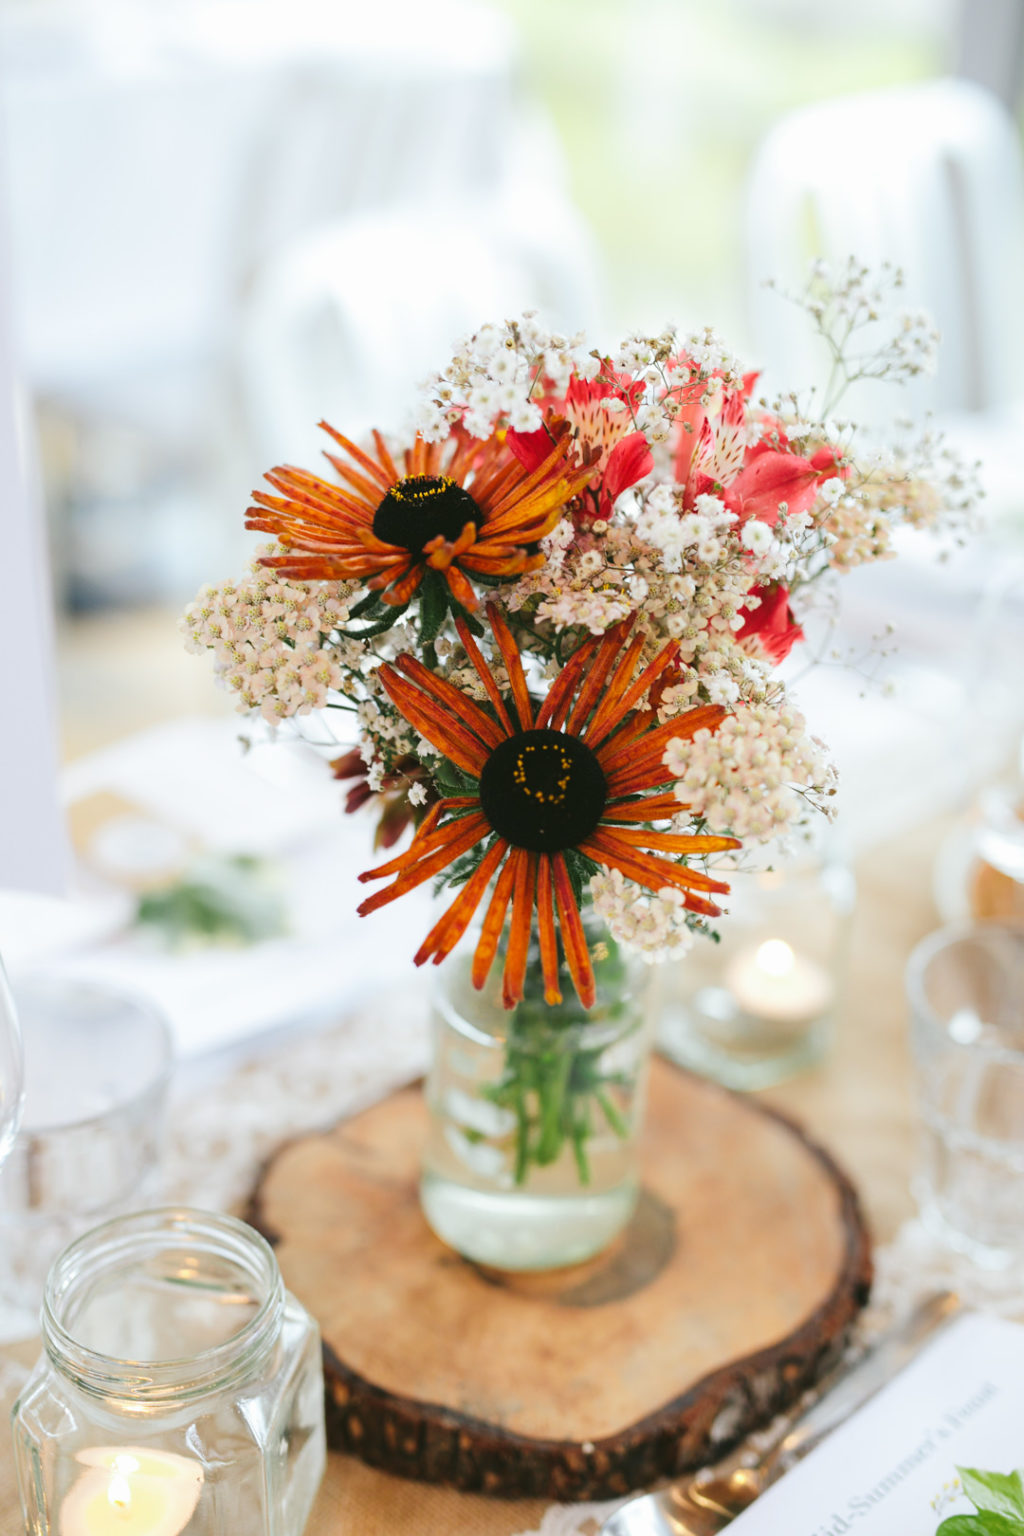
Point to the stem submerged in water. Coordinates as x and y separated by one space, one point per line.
552 1082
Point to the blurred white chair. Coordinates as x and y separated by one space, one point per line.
345 323
928 177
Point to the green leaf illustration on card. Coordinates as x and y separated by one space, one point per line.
996 1493
983 1524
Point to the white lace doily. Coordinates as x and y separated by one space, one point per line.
223 1132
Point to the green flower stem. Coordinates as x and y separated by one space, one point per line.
611 1114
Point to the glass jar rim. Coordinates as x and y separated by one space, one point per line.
147 1012
174 1379
925 951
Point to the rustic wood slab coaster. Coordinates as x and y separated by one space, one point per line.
732 1289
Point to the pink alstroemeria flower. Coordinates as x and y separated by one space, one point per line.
771 476
620 457
771 625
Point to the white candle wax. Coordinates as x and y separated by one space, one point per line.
131 1491
773 982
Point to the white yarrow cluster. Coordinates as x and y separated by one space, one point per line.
271 640
753 776
654 925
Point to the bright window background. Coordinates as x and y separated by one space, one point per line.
189 183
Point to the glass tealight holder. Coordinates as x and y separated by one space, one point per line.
759 1006
180 1389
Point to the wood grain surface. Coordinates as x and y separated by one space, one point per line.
731 1289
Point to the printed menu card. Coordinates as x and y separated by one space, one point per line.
959 1403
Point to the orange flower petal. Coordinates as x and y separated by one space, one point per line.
645 868
483 672
434 722
447 932
494 922
554 708
441 552
514 978
546 931
380 474
466 709
428 837
387 463
474 830
605 722
615 689
514 667
574 940
404 588
653 745
460 589
611 645
650 808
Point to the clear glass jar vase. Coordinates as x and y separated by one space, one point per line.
180 1389
535 1112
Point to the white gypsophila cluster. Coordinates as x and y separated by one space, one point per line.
492 376
754 775
271 640
852 307
663 524
593 578
654 925
495 375
385 737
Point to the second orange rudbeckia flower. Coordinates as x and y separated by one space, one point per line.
582 771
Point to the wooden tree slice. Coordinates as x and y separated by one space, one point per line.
731 1290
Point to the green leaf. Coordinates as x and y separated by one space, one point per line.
451 780
367 606
473 624
996 1493
980 1525
390 618
433 606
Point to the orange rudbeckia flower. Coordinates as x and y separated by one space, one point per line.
461 507
584 771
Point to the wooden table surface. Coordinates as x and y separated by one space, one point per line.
858 1104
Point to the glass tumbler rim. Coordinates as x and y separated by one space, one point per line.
158 1083
174 1379
935 943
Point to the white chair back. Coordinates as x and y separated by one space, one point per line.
926 176
346 323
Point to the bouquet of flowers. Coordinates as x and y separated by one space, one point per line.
555 613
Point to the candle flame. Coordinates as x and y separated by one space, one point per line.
775 957
120 1492
119 1489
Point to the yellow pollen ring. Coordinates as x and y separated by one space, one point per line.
520 779
405 490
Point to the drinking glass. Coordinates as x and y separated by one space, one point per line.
97 1067
965 986
12 1079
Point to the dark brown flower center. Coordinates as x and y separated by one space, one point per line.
543 790
418 508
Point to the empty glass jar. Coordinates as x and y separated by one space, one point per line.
180 1388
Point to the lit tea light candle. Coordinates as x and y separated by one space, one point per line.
131 1491
771 981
